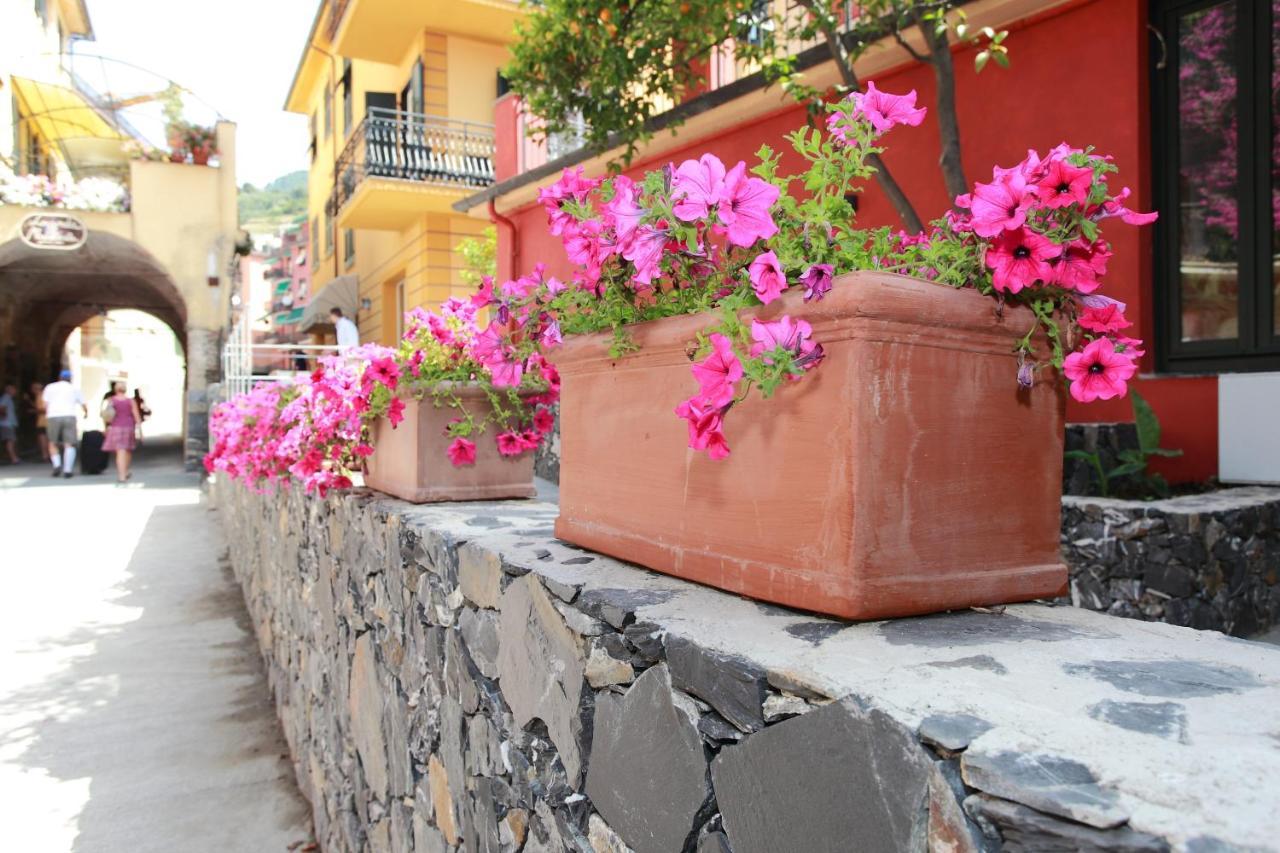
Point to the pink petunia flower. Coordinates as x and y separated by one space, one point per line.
384 371
817 281
697 187
506 373
884 110
1103 320
719 372
767 277
1064 184
462 452
1080 265
622 212
395 412
1001 205
1019 258
744 207
645 252
510 443
789 334
1098 372
1129 347
544 421
706 421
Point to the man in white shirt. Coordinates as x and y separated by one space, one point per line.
61 399
348 334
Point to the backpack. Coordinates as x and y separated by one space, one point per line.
108 411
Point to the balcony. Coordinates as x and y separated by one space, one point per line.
385 30
398 166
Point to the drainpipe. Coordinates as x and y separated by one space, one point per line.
497 217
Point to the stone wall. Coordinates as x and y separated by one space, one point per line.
452 678
1207 561
1105 439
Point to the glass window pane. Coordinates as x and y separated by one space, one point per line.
1207 176
1275 167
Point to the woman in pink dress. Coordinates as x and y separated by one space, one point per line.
122 432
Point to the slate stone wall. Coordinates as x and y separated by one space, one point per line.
1207 561
452 678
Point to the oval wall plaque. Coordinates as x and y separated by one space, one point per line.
59 231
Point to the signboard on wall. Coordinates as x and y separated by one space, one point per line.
57 231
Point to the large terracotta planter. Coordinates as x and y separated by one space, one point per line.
908 474
409 461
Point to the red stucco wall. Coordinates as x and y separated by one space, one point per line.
1080 75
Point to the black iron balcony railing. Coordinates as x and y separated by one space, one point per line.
414 147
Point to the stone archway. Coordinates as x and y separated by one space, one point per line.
46 294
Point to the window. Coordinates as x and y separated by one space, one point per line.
348 97
348 246
315 234
328 111
1217 184
399 325
328 234
312 148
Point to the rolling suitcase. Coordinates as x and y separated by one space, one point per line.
93 459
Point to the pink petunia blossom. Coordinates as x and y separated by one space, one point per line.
1064 184
884 110
550 335
510 443
384 371
1129 347
1098 372
395 412
817 281
543 420
1103 320
767 277
1115 207
1080 265
1097 300
697 187
1019 258
744 207
622 212
706 422
645 252
506 373
587 246
572 185
462 452
719 372
1001 205
794 336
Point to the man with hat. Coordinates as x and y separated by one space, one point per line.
60 401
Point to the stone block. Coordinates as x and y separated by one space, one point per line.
1050 783
365 707
836 779
648 771
541 671
1029 830
731 685
480 575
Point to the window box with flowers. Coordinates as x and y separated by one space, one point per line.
910 459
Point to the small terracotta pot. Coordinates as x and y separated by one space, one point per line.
410 462
907 474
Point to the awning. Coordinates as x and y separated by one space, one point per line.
282 286
342 292
62 117
288 318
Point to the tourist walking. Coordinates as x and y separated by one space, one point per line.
9 422
61 402
35 407
124 423
345 327
143 409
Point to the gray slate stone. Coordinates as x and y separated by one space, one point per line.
952 731
541 671
1162 719
480 575
480 632
732 686
714 842
648 772
426 838
365 707
1028 830
1174 679
839 778
1050 783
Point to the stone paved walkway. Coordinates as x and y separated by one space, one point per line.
134 714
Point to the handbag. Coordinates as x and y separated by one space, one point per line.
108 411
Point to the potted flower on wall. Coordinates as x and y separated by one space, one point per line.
911 460
428 403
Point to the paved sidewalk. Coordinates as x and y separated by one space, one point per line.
134 715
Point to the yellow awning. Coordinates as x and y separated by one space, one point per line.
63 118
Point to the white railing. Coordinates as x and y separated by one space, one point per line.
245 363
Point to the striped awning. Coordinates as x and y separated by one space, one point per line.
282 286
288 318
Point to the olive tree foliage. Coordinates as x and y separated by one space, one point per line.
611 66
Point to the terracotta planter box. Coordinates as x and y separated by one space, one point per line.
409 461
909 474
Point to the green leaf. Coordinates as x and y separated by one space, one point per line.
980 61
1162 451
1144 418
1001 58
1080 454
1126 469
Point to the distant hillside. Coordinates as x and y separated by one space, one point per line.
280 202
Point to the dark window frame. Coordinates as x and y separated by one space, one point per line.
328 111
348 99
1257 345
348 247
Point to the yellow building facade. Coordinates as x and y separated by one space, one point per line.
399 95
96 216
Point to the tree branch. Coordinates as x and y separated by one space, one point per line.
905 45
948 124
901 204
